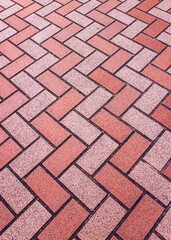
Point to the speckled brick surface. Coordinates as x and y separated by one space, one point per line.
85 119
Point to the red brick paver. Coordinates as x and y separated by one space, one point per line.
85 118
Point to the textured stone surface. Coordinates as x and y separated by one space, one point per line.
87 191
164 226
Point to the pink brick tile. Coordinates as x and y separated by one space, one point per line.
8 151
16 23
6 88
5 216
53 83
58 20
10 51
108 5
3 136
100 17
28 10
47 189
122 100
56 48
68 7
141 220
66 63
130 152
112 30
50 129
111 125
16 66
11 104
72 215
65 104
62 158
123 189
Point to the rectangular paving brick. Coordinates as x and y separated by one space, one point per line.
41 65
133 78
158 76
103 221
32 49
62 158
28 223
107 6
79 81
122 100
156 27
37 21
93 102
45 33
150 42
10 11
120 16
53 83
163 228
50 129
36 105
6 33
3 135
142 123
82 128
163 115
65 104
81 186
20 130
141 220
128 5
111 125
152 181
56 48
48 9
28 10
72 215
143 16
89 31
14 67
147 5
91 62
112 30
87 7
10 51
14 193
6 87
54 196
126 43
100 17
65 9
165 38
79 18
163 61
79 46
142 59
58 20
130 152
16 22
23 35
116 61
103 45
117 184
160 14
106 80
135 28
11 104
5 216
8 151
27 84
67 32
66 63
97 154
24 163
151 98
3 61
160 153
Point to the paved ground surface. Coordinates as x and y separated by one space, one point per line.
84 119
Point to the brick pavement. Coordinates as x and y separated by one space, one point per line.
85 142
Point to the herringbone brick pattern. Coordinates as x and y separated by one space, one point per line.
85 142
